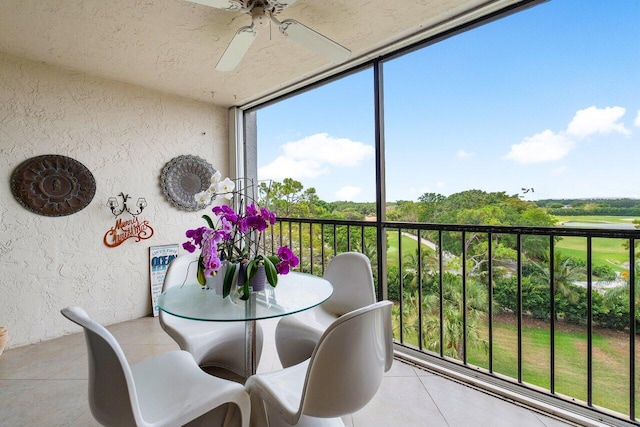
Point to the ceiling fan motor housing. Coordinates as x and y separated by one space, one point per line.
259 16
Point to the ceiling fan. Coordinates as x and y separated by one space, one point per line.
263 12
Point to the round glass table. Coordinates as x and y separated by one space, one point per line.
294 292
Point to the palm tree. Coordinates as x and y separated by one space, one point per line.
452 310
452 307
565 273
620 295
409 318
429 266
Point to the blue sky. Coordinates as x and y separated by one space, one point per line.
548 98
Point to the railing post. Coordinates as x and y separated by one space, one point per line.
441 288
589 325
420 313
464 297
632 329
552 315
400 285
490 296
519 302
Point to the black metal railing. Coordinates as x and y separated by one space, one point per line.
478 287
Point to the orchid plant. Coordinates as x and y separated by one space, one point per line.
235 238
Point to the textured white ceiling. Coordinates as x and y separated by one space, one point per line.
173 45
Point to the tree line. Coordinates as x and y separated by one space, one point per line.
420 291
597 207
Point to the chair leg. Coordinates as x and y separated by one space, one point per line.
229 416
258 412
214 418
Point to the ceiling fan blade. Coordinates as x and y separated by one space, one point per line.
220 4
313 40
236 49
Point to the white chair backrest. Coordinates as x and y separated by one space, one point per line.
180 268
112 393
347 365
352 279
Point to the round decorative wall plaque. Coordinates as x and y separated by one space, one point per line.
182 178
53 185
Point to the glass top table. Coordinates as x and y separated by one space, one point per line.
295 292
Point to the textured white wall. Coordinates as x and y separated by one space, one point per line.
124 135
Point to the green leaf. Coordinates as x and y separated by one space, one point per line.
252 267
245 291
228 279
208 219
201 279
271 272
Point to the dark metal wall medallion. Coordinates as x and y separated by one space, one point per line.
182 178
53 185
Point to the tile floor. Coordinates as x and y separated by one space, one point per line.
45 385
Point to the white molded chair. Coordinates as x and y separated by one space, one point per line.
341 377
169 389
219 344
352 279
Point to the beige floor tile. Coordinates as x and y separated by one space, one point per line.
13 390
39 361
76 339
45 384
401 401
85 420
77 369
550 422
143 331
46 403
463 406
399 369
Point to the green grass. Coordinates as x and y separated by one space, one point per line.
596 219
409 246
609 252
610 362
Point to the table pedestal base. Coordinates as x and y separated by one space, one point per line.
250 337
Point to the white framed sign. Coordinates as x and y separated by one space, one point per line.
159 259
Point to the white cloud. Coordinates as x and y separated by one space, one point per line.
542 147
313 156
462 154
440 184
597 120
348 192
285 167
637 120
335 151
